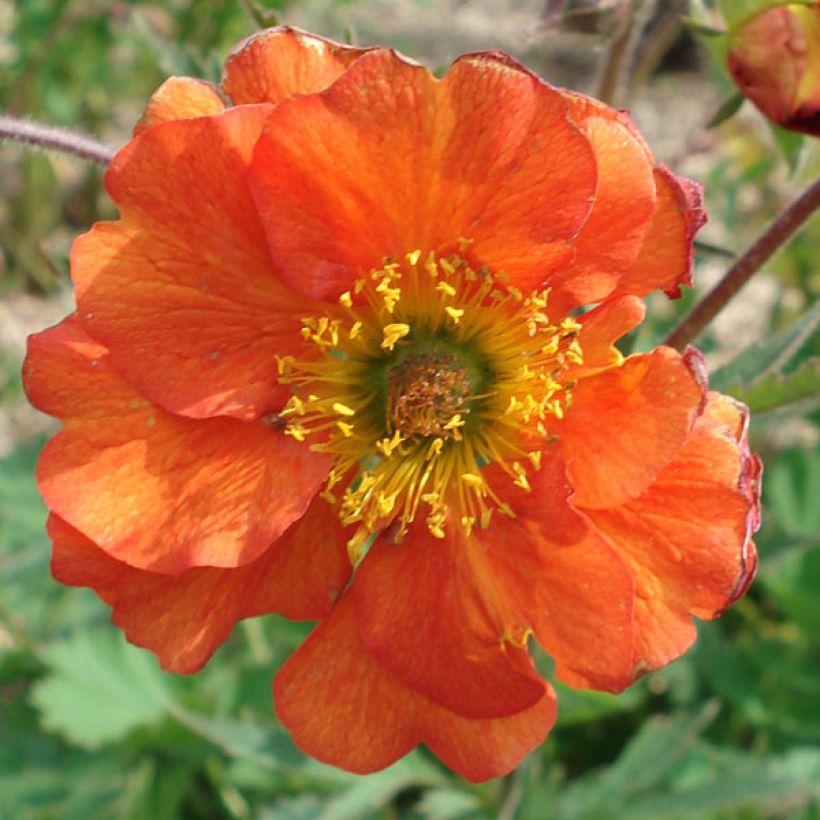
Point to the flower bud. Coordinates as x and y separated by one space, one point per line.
774 60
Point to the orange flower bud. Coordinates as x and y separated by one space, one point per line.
775 62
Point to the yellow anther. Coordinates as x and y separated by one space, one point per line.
455 422
343 409
414 257
354 331
467 524
347 429
434 449
296 431
284 364
392 333
535 459
346 300
463 243
521 477
355 546
472 480
454 313
385 503
446 288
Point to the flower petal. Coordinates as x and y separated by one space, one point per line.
343 708
157 491
601 328
443 634
184 618
624 199
181 289
626 424
666 256
180 98
571 589
687 539
279 62
401 162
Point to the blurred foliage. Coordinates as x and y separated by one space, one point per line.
91 727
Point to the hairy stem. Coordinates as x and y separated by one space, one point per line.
738 274
55 139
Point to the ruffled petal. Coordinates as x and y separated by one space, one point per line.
687 539
666 256
567 584
157 491
180 98
624 199
626 424
343 708
184 618
401 162
601 328
279 62
181 289
444 634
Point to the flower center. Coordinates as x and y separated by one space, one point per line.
422 374
426 395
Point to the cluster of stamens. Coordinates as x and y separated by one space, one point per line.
424 373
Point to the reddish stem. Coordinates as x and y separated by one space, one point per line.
736 277
55 139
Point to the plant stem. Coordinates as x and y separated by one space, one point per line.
621 53
738 274
55 139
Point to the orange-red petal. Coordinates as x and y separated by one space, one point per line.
389 160
601 327
180 98
666 256
279 62
343 708
565 583
158 491
626 424
181 289
427 615
687 539
184 618
611 238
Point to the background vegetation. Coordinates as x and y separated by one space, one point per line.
91 727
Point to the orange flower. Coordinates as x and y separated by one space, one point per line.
335 334
774 60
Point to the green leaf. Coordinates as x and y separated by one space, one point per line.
580 706
702 28
793 580
789 144
727 110
777 390
764 786
737 12
777 371
100 688
648 758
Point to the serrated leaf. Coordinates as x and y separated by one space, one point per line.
727 110
100 688
778 390
784 353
